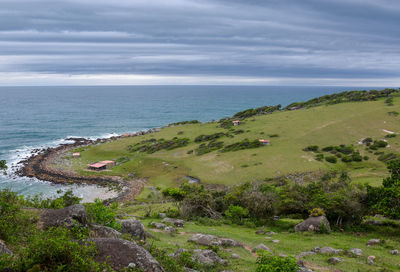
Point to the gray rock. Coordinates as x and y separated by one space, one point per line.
67 217
275 241
373 242
162 215
172 221
335 260
394 252
235 256
104 232
157 225
370 260
122 254
207 257
313 223
207 240
270 233
260 232
327 250
204 239
133 227
262 247
4 249
169 230
356 252
306 253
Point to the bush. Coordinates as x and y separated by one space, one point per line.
153 145
268 263
102 214
317 212
244 144
3 166
347 159
205 138
319 157
331 159
313 148
236 213
175 193
207 148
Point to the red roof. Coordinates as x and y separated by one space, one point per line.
107 162
237 121
263 141
97 165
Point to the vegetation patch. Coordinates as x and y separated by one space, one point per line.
244 144
207 148
210 137
154 145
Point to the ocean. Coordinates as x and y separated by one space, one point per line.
37 117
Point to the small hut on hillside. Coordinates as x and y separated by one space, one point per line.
264 142
236 122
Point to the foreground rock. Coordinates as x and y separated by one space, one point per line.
202 256
335 260
373 242
104 232
122 254
4 249
172 221
356 252
212 240
133 227
313 224
67 217
327 250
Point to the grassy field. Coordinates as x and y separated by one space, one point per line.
290 243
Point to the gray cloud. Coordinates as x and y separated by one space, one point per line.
320 39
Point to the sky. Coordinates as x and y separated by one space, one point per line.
227 42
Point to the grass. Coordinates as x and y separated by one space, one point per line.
291 243
344 123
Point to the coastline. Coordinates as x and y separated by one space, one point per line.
38 165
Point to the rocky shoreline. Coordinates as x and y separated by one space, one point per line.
38 165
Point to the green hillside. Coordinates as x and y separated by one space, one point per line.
290 131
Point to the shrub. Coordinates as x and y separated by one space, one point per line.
331 159
207 148
244 144
317 212
394 113
205 138
313 148
268 263
273 135
319 157
175 193
102 214
236 213
388 157
3 166
390 135
347 159
153 145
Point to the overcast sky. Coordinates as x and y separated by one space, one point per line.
261 42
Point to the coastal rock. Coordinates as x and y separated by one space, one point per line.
207 257
133 227
67 217
356 252
373 242
313 223
335 260
104 232
172 221
122 254
4 249
261 247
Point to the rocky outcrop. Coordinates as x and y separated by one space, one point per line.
327 250
4 249
122 254
67 217
356 252
157 225
313 224
212 240
133 227
172 221
104 232
373 242
207 257
335 260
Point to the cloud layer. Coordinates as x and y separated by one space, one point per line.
279 42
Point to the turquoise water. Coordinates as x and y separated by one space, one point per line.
33 117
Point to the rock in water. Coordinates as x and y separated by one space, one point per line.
313 223
122 254
133 227
67 217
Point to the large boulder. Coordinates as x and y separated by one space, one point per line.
313 223
157 225
67 217
373 242
104 232
327 250
133 227
122 254
4 249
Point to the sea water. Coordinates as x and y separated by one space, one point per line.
38 117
